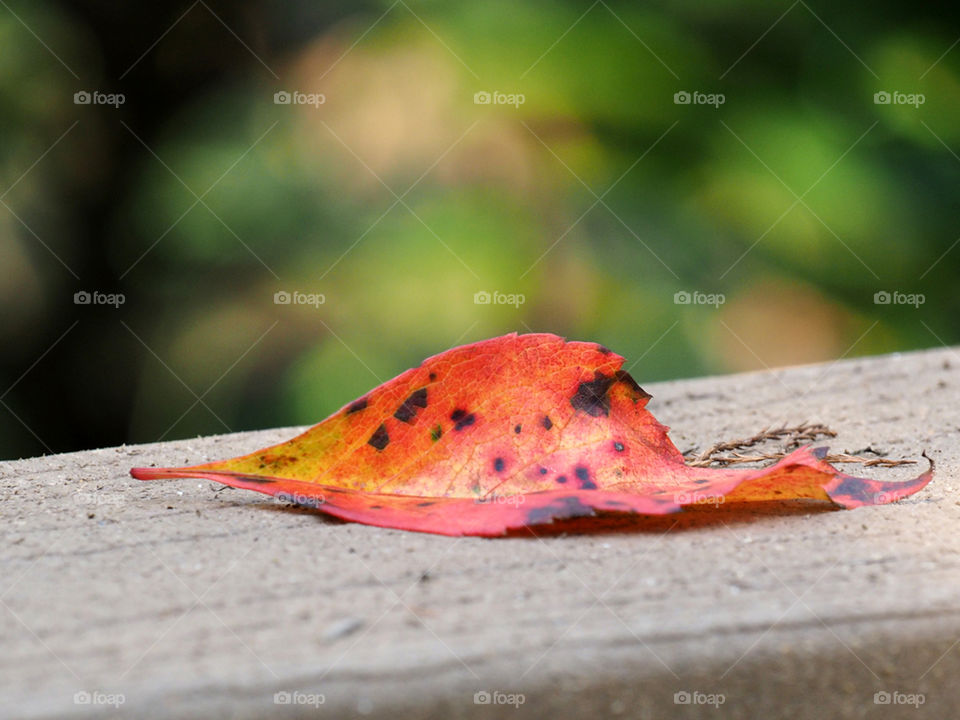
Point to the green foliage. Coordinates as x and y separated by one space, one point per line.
596 199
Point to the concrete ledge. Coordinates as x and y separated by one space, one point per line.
191 600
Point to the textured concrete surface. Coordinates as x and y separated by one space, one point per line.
180 598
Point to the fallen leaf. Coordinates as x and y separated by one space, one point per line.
511 432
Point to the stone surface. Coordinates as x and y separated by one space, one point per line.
186 599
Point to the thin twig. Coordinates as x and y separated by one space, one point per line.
794 436
738 458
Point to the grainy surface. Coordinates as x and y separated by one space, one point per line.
194 601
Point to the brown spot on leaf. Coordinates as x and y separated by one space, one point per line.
356 406
583 475
591 396
855 489
380 438
566 507
408 410
462 419
624 377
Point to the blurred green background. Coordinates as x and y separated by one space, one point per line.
597 198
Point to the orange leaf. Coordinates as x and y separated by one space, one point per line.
511 432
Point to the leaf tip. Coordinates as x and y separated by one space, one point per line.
851 492
155 473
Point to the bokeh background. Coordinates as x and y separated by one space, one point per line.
596 196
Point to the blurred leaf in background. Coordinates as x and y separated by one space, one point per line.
297 203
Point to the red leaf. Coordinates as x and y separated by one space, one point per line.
511 432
